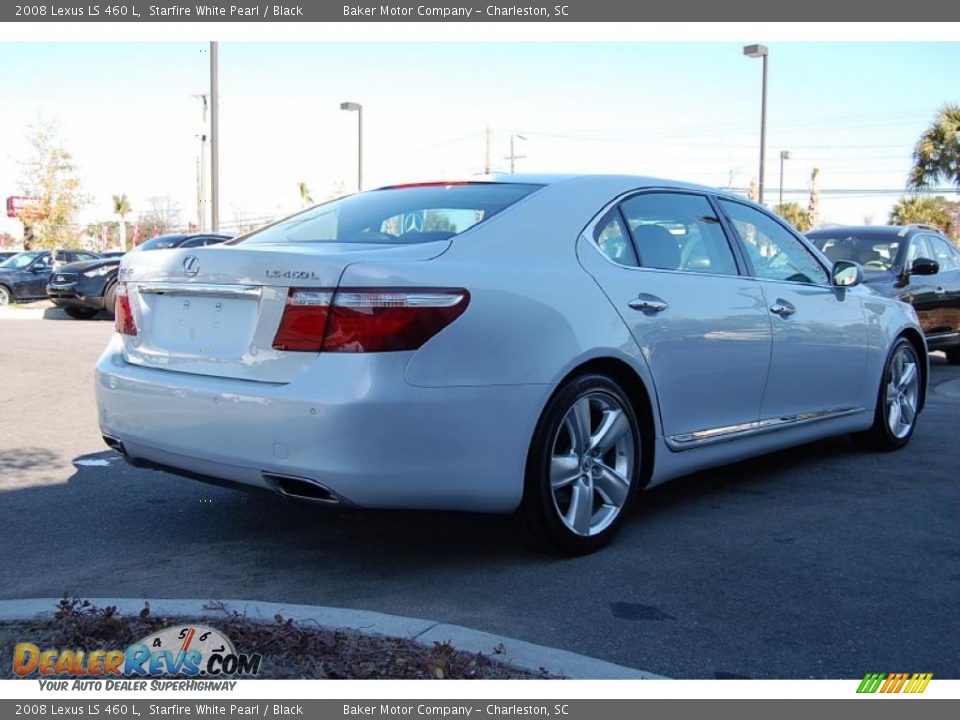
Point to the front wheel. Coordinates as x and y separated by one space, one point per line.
110 300
6 297
584 467
898 400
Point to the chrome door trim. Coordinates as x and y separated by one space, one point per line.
710 436
198 289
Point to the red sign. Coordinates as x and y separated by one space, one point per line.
17 204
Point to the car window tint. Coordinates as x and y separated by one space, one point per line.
613 240
86 256
876 253
774 251
919 248
676 231
944 254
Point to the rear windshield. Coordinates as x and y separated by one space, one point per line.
874 251
161 242
396 216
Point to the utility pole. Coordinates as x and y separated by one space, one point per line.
214 140
202 168
513 157
486 157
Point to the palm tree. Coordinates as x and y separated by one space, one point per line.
305 198
813 208
917 209
795 215
121 207
937 154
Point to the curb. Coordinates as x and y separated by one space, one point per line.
517 653
30 313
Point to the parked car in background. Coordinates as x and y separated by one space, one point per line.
84 289
548 345
7 254
25 275
913 263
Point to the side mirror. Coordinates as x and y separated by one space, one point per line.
39 268
846 273
924 266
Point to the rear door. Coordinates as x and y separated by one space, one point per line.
665 262
819 331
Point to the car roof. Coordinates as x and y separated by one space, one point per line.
626 182
894 230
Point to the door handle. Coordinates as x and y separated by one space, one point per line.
782 308
648 303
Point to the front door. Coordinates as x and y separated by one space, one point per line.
819 332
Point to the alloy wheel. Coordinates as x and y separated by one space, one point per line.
591 463
903 392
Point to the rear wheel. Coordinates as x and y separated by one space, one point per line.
953 356
584 467
80 313
110 300
898 400
6 297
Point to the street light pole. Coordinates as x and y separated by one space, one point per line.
784 155
358 108
761 51
513 157
214 140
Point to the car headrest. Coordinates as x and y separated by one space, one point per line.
658 248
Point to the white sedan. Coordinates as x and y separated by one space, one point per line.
545 345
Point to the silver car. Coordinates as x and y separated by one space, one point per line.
540 345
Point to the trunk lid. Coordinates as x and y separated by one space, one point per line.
215 310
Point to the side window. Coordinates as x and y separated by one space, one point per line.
775 253
919 248
195 242
85 256
613 240
42 263
944 254
677 231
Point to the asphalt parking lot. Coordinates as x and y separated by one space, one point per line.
823 561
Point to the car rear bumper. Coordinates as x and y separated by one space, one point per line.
68 296
351 425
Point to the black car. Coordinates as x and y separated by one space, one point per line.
915 263
25 275
84 289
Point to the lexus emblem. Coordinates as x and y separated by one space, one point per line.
191 266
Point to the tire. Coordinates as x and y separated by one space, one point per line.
953 355
898 398
110 300
6 297
80 313
564 467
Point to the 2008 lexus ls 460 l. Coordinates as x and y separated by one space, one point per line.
544 345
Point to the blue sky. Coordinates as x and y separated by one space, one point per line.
682 110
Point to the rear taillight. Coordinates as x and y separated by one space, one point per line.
366 319
123 313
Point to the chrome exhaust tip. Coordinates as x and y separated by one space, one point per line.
299 488
114 444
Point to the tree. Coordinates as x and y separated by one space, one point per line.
918 209
937 153
795 215
813 207
50 180
305 199
121 207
